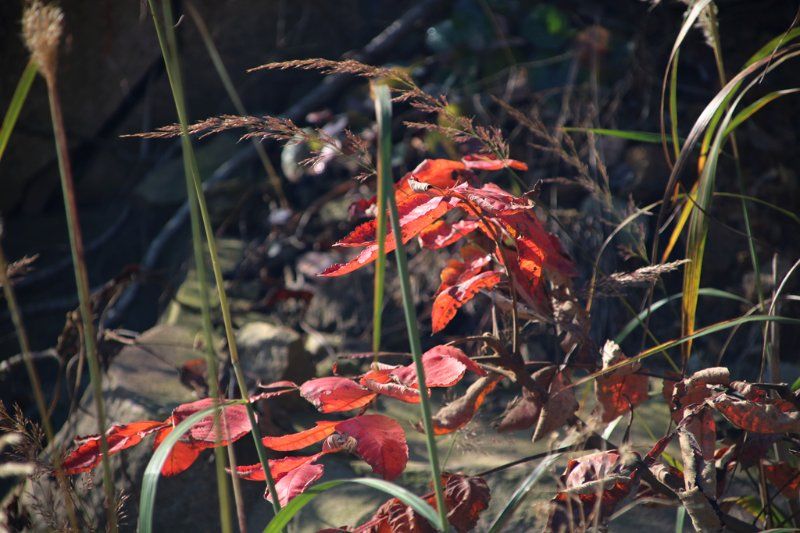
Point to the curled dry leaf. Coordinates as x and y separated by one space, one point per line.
700 510
561 403
302 439
458 413
521 413
594 485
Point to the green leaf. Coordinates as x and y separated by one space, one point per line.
15 106
522 492
282 519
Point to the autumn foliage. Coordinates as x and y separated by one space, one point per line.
504 250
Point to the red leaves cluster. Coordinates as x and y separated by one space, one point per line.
201 436
377 439
444 367
521 245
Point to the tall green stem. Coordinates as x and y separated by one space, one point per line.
383 111
177 93
84 297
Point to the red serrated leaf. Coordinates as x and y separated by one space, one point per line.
119 437
444 367
233 420
380 441
335 394
302 439
450 300
441 234
381 381
490 162
296 482
457 414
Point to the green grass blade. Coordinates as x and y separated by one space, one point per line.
522 492
282 519
631 135
383 111
638 320
702 332
384 169
15 106
152 473
680 518
756 106
773 45
673 104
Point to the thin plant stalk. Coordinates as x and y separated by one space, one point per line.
36 384
233 94
211 357
177 93
17 100
383 111
84 296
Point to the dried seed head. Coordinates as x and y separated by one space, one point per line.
42 25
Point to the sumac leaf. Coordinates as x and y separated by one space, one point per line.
296 482
87 454
450 300
234 422
441 234
302 439
458 413
335 394
380 441
444 367
490 162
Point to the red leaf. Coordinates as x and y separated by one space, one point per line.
302 439
771 416
335 394
620 391
381 381
457 414
441 234
182 455
444 367
233 419
450 300
278 467
785 478
416 212
119 437
490 162
440 173
296 482
380 441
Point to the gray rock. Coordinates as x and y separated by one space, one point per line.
271 353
